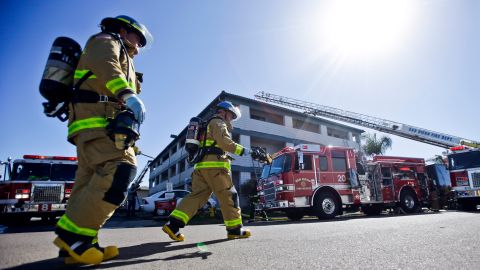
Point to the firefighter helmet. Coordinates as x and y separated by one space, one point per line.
132 25
228 106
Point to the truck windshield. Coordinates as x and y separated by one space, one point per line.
43 171
281 164
265 171
464 160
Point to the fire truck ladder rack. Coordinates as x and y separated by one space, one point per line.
383 125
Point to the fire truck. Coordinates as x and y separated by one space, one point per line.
390 182
325 181
35 186
464 167
462 154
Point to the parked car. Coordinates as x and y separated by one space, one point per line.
148 203
164 206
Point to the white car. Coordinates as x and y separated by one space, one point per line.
148 203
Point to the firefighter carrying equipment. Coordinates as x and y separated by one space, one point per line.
124 130
196 144
57 81
228 106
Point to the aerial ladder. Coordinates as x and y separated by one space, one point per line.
407 131
138 180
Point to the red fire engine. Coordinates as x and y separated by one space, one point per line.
323 181
464 167
389 182
36 186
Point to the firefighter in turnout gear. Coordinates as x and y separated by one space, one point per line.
213 174
105 85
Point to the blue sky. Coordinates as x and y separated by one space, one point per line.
414 61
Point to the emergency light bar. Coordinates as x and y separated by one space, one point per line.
49 157
458 148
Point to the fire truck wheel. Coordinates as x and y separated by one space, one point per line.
297 214
408 201
326 205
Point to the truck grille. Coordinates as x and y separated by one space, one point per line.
269 191
47 193
476 179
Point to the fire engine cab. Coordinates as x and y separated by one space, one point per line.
35 186
464 167
325 181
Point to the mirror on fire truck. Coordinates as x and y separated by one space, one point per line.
299 161
4 170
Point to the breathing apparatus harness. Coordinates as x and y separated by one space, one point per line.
196 141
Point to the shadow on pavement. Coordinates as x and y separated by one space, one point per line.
129 256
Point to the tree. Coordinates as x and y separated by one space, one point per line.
374 146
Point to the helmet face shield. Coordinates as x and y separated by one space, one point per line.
132 25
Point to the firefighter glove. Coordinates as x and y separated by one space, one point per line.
135 104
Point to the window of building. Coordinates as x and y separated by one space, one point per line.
323 164
333 132
236 137
165 175
181 165
165 157
173 150
173 170
269 117
339 161
181 143
303 125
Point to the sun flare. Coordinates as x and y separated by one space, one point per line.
367 27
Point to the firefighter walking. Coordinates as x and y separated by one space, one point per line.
106 87
213 174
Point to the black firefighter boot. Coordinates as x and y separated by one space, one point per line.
172 228
238 233
79 247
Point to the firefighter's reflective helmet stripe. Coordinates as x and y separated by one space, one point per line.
212 164
233 222
68 225
93 122
79 73
238 150
180 215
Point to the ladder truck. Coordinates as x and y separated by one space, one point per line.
463 156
